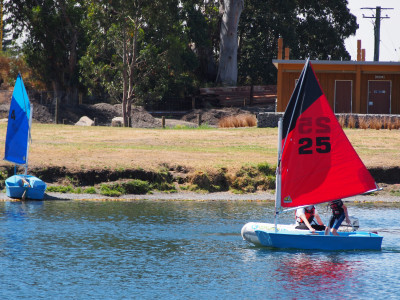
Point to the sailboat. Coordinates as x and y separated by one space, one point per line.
316 164
21 186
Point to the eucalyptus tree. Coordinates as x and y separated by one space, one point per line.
53 40
227 68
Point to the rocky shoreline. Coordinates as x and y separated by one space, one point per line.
192 196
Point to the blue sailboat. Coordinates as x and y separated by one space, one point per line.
21 186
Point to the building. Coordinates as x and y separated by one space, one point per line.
360 87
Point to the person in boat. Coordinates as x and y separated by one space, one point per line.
339 213
305 216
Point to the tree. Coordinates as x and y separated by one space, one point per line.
202 20
227 69
138 52
322 27
111 56
310 28
53 41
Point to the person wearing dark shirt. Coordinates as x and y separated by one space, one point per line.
339 213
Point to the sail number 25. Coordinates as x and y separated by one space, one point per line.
314 126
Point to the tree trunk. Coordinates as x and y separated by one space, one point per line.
227 69
124 79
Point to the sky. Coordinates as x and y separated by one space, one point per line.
389 49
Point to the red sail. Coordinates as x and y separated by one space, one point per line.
318 162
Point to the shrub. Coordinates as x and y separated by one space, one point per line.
136 186
243 120
90 190
376 123
342 120
351 122
363 122
111 191
61 189
265 168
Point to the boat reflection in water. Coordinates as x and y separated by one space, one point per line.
18 210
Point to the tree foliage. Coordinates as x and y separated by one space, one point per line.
53 40
139 51
310 28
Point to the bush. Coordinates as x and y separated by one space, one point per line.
266 169
243 120
61 189
136 186
90 190
111 191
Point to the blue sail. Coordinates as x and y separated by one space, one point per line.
18 127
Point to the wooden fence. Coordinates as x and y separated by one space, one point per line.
240 95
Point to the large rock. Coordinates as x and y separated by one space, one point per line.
117 122
85 121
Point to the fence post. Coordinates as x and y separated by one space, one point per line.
163 121
251 95
80 99
56 113
94 121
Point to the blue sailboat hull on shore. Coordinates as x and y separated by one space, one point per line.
25 186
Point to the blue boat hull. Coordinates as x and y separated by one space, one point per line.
345 241
15 187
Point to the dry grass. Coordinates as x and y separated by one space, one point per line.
342 121
78 147
363 123
243 120
351 122
376 123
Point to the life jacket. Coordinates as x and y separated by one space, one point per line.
309 213
337 209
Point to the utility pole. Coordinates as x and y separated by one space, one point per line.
377 27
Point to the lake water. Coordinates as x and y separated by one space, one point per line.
181 250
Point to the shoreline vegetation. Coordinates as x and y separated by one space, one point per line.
179 162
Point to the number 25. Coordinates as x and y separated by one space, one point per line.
323 145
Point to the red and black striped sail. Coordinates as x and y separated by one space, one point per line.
318 162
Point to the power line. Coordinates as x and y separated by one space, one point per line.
377 27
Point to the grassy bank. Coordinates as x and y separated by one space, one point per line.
76 147
200 155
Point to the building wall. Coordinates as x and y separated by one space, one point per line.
289 74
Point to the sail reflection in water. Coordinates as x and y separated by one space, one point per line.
323 272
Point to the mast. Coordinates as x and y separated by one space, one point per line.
278 175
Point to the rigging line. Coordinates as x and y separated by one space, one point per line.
297 101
